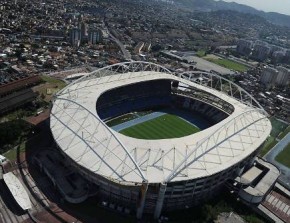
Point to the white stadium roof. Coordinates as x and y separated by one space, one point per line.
83 136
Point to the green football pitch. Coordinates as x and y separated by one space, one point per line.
284 156
164 127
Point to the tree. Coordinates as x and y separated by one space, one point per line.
208 213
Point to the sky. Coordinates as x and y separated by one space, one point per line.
281 6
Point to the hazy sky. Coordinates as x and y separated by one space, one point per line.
281 6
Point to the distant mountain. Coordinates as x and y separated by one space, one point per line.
211 5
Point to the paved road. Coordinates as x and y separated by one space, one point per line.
125 52
270 156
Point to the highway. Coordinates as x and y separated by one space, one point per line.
125 52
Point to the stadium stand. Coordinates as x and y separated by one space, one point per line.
160 94
145 95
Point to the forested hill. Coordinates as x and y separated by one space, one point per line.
211 5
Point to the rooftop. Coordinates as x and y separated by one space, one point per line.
17 190
80 133
267 181
250 175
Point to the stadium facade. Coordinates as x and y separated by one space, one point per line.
148 176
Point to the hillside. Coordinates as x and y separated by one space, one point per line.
211 5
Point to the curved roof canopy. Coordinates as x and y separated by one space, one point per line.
86 139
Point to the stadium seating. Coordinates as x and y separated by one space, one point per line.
210 112
145 95
153 94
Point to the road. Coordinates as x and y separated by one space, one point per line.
125 52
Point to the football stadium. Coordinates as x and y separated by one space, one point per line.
149 139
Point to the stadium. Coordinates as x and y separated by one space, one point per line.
149 139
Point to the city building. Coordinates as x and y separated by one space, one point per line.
261 51
276 49
75 37
286 105
84 30
94 36
269 76
287 54
283 76
244 47
278 56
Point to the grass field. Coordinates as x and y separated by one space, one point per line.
163 127
229 64
58 83
49 87
284 156
278 128
283 134
201 53
269 144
